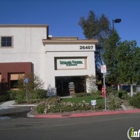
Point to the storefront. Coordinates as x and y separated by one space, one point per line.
62 84
69 60
56 60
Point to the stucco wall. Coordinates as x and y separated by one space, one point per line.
27 47
67 51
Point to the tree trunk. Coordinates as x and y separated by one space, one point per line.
131 90
118 87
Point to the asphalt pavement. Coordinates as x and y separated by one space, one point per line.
105 125
85 128
9 110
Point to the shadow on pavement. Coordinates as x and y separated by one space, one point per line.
20 113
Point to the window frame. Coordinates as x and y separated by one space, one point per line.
6 46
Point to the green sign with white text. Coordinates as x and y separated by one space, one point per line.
70 63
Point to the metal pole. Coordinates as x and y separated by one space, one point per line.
104 88
26 93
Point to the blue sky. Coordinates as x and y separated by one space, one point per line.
63 16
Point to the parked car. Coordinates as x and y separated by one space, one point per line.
127 87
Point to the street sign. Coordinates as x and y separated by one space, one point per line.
26 80
103 68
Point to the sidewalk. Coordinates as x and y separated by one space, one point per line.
11 104
6 105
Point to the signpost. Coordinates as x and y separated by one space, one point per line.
103 70
26 82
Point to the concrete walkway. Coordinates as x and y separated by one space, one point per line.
6 104
11 104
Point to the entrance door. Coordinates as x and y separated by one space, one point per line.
62 87
65 89
62 84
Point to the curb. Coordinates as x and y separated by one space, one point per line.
23 105
76 115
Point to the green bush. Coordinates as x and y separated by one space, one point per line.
135 100
13 94
99 107
113 102
4 98
39 93
81 94
122 94
21 96
97 92
67 107
55 104
32 101
40 108
112 91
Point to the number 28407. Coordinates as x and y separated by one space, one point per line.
86 47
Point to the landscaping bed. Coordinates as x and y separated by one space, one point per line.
82 103
77 104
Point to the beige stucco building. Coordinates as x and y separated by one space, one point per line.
56 60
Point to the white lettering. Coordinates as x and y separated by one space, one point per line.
135 134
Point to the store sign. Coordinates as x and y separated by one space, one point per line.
71 63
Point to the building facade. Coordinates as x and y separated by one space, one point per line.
56 60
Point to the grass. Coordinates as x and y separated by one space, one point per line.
87 99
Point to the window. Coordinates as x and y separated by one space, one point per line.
13 80
6 41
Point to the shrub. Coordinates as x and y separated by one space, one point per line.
110 90
135 100
96 94
113 102
99 107
81 94
13 94
122 94
54 105
39 93
32 101
34 84
40 108
4 98
21 96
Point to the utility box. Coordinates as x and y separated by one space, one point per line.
71 88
